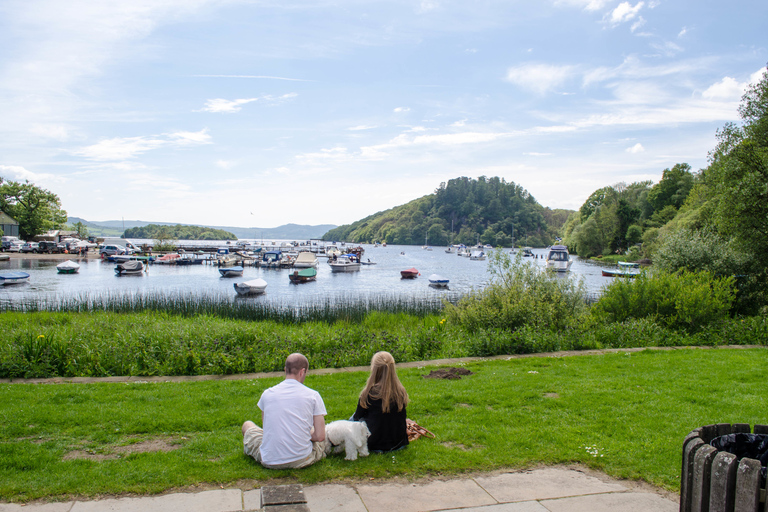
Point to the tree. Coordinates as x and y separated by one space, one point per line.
82 230
673 188
35 209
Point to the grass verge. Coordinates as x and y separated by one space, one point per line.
625 414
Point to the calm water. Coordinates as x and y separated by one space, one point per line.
98 277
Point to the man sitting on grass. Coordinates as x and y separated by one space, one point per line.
293 417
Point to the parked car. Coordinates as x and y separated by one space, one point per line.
7 241
15 246
48 247
111 250
30 247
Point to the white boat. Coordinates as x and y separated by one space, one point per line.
13 277
129 268
252 287
345 263
235 271
68 267
558 259
305 259
332 251
477 256
272 259
438 281
625 269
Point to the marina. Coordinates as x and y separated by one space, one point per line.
383 278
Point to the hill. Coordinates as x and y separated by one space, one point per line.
115 228
464 210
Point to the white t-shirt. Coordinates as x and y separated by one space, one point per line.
288 410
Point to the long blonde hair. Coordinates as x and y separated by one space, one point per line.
383 384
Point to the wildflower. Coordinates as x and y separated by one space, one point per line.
41 336
533 371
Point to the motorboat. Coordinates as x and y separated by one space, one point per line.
410 273
344 263
303 276
168 259
438 281
527 252
188 259
252 287
305 259
272 259
558 259
68 267
129 268
13 277
477 256
235 271
624 269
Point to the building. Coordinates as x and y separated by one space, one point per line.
9 225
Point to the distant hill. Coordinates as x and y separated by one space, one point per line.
464 210
115 228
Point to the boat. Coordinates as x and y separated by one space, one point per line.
345 263
272 259
303 276
13 277
410 273
235 271
527 251
305 259
438 281
68 267
122 258
4 257
624 269
332 251
369 262
168 259
129 268
558 259
252 287
188 259
450 249
477 256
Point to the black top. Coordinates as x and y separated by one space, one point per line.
387 429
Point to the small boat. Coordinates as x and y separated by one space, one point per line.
438 281
168 259
13 277
235 271
303 276
558 259
188 259
624 269
527 251
305 259
68 267
252 287
411 273
129 268
345 263
477 256
4 257
272 259
369 262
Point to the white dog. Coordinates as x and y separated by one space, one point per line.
351 436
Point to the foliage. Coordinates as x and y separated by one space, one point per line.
178 232
463 210
700 251
519 295
82 230
681 300
35 209
673 188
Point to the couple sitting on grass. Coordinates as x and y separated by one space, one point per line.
293 416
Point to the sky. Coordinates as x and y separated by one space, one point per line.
263 113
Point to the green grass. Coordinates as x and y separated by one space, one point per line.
632 410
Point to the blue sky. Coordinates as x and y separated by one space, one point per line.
261 113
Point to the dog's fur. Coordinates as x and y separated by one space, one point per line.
350 436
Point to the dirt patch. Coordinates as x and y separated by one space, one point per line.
466 406
551 395
88 455
115 452
448 373
457 446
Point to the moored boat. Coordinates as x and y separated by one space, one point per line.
624 269
303 276
410 273
527 251
235 271
558 259
13 277
477 256
305 259
252 287
168 259
438 281
129 268
345 263
272 259
68 267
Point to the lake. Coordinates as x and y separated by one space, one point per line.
383 278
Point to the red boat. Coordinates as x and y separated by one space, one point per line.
411 273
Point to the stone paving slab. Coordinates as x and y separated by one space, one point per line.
520 506
613 502
333 498
424 497
44 507
544 483
227 500
252 500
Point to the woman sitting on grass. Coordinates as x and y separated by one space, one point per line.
382 406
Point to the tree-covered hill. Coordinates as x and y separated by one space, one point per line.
178 232
464 210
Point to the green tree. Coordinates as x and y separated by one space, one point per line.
82 230
35 209
673 188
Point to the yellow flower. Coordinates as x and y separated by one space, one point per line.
41 336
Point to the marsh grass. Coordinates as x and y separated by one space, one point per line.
622 413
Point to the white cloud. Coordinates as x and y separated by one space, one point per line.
402 109
623 12
225 164
539 78
639 23
428 5
226 106
361 128
682 32
537 154
726 89
459 124
588 5
130 147
637 148
19 173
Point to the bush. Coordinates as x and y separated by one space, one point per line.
681 300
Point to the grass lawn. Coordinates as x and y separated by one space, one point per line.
625 414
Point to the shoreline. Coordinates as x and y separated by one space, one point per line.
92 253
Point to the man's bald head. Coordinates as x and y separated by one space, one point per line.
294 364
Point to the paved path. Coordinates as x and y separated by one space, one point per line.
540 490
